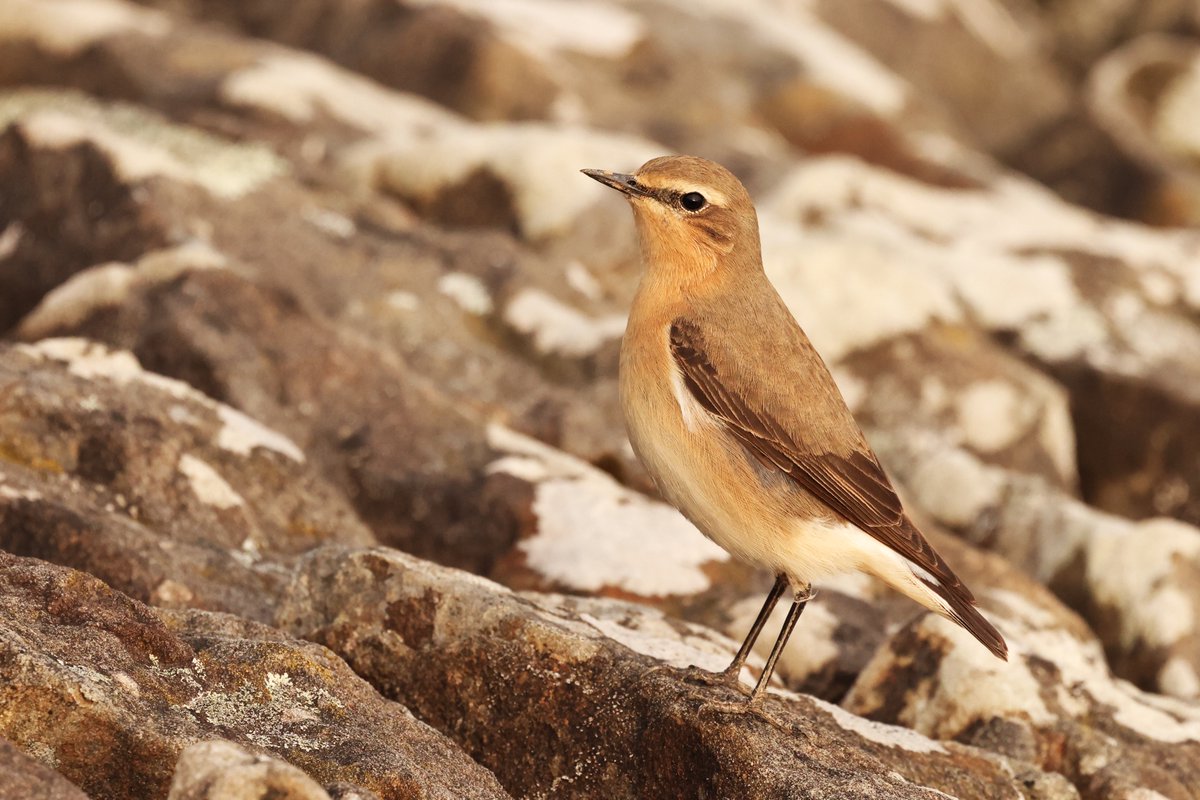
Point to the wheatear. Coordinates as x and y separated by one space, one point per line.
738 420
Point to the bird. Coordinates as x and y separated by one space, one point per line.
739 422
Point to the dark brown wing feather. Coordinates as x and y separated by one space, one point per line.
853 484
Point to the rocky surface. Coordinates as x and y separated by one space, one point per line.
310 332
499 680
27 777
130 687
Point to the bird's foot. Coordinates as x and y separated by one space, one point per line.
755 705
698 675
729 678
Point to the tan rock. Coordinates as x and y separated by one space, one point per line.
139 686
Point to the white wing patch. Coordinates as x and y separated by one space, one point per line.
690 409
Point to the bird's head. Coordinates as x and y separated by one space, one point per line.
690 213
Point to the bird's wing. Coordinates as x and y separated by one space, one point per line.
825 452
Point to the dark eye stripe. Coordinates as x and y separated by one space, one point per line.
674 197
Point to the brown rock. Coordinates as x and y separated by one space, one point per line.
502 673
142 480
113 692
23 778
1053 703
1142 95
1135 582
435 51
985 41
581 532
221 770
67 209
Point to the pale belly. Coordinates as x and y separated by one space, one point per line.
699 469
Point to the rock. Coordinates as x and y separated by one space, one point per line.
1081 32
981 39
24 778
221 770
139 686
142 480
581 532
343 395
1142 95
1054 703
486 365
434 50
361 225
1103 307
448 642
1135 582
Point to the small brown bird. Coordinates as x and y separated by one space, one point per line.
738 420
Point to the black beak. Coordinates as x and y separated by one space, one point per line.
626 184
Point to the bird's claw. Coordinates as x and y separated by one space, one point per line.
698 675
756 705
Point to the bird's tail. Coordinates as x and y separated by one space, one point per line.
961 609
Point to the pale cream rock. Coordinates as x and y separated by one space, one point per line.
539 163
467 291
109 285
1178 678
208 484
827 57
993 415
67 27
798 660
557 328
820 275
140 143
87 359
242 434
1177 118
593 533
545 27
1132 570
881 733
299 87
955 486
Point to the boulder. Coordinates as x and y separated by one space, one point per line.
113 692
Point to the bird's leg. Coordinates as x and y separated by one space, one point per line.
756 703
785 633
729 675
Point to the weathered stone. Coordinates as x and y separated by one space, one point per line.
221 770
558 695
23 778
142 480
1054 703
1081 32
112 692
1135 582
981 39
378 277
433 50
1105 307
1143 96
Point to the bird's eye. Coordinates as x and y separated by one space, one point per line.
692 201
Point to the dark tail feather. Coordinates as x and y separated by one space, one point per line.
963 612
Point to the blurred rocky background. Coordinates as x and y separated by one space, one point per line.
313 482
